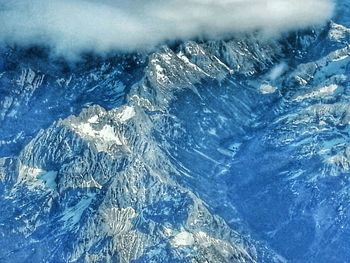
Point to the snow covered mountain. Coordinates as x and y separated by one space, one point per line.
216 151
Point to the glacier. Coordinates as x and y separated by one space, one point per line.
232 150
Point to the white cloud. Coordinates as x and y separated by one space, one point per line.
70 27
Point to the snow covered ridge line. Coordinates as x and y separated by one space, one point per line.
70 27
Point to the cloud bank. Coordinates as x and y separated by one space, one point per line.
70 27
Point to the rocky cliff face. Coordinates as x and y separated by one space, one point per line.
224 151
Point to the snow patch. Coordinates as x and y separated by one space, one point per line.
126 114
161 77
34 177
28 172
319 93
49 179
184 238
102 138
93 119
267 89
72 215
107 133
338 32
92 183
